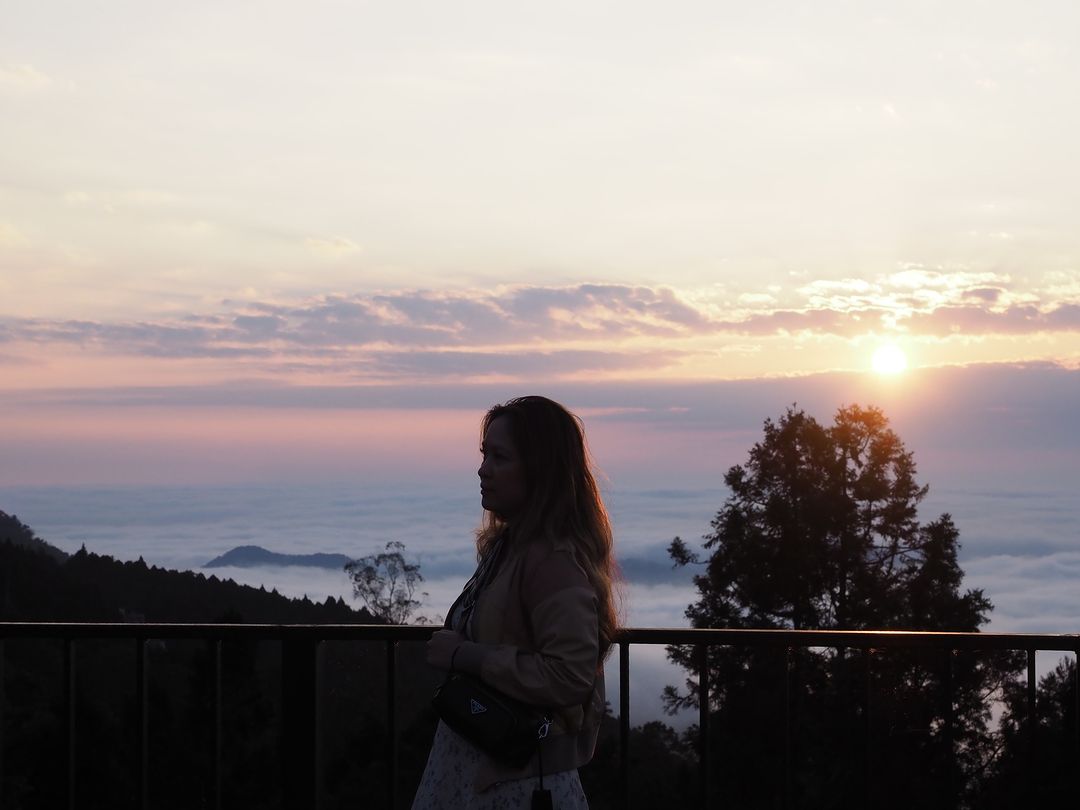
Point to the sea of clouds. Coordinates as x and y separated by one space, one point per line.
1020 547
186 527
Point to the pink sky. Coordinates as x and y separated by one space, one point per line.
1000 423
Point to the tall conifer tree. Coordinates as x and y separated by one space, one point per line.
821 531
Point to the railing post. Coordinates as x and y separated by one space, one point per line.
788 665
318 724
3 701
1032 719
624 725
704 775
298 720
69 711
391 720
1076 709
950 731
141 767
868 727
218 741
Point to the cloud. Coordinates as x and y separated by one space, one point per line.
259 326
919 301
987 295
977 320
824 321
1032 592
913 289
607 310
176 339
421 321
10 236
23 78
331 247
474 364
564 330
918 278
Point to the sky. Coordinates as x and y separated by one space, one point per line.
274 242
373 194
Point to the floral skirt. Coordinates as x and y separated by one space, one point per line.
448 782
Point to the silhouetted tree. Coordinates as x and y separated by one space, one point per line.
662 768
1039 764
386 583
821 531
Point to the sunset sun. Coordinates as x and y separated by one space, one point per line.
889 360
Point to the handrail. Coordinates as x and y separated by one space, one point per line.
188 630
876 639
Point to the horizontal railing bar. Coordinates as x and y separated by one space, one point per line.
193 630
876 639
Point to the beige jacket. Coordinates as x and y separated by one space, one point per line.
535 637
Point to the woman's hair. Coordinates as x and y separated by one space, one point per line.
562 498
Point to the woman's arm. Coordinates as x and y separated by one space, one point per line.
561 607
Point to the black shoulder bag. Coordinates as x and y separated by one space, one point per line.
505 729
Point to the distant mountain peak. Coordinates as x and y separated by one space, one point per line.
253 556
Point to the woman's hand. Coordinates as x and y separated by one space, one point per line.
440 649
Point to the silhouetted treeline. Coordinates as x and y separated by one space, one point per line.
89 587
38 582
14 531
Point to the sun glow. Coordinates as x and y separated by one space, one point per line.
889 359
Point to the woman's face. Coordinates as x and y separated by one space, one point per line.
502 473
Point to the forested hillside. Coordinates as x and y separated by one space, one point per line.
17 533
40 583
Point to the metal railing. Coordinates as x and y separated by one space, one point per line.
300 683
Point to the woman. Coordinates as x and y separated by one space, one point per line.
538 617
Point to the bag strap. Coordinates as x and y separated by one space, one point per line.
541 799
477 582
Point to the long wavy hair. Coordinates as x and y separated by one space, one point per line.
562 498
